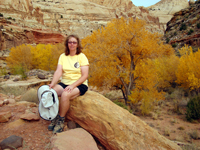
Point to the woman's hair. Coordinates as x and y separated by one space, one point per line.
79 48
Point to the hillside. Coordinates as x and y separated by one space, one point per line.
165 9
184 27
42 21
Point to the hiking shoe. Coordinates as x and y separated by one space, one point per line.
59 126
53 123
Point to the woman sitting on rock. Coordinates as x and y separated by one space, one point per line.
73 67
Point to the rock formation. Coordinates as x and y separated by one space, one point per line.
165 9
114 126
23 21
184 28
75 139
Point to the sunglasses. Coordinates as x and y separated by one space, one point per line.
72 42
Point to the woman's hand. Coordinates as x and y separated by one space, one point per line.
51 86
69 88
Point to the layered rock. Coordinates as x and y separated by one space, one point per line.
165 9
114 126
21 21
184 28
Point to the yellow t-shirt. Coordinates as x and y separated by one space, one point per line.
72 67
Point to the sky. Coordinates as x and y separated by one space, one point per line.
144 3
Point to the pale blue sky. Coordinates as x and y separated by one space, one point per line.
144 3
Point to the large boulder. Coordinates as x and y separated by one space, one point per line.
115 127
74 139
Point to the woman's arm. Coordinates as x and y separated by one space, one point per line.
56 76
84 76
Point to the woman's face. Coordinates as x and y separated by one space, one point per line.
72 44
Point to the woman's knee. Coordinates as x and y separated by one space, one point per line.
58 89
65 95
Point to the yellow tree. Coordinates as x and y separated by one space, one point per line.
188 74
20 56
46 56
166 67
115 51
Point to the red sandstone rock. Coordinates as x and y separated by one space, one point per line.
5 116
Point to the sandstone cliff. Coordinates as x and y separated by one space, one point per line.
184 28
20 18
165 9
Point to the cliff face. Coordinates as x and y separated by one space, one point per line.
165 9
184 27
20 20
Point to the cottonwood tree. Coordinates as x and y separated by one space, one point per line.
20 56
41 56
117 50
188 74
45 57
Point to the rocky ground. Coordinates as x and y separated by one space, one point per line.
36 136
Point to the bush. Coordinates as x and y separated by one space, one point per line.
10 18
193 109
19 70
167 40
29 57
175 33
191 31
1 15
3 71
174 45
183 27
198 25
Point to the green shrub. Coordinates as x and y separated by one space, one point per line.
3 71
198 25
19 70
191 31
175 33
193 109
167 40
183 27
10 18
1 15
174 45
61 16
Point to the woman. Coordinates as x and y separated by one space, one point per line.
73 66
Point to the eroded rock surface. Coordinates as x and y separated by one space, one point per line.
115 127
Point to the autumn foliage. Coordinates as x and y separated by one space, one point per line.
188 74
121 56
126 56
41 56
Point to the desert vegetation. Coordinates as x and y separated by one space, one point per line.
124 56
